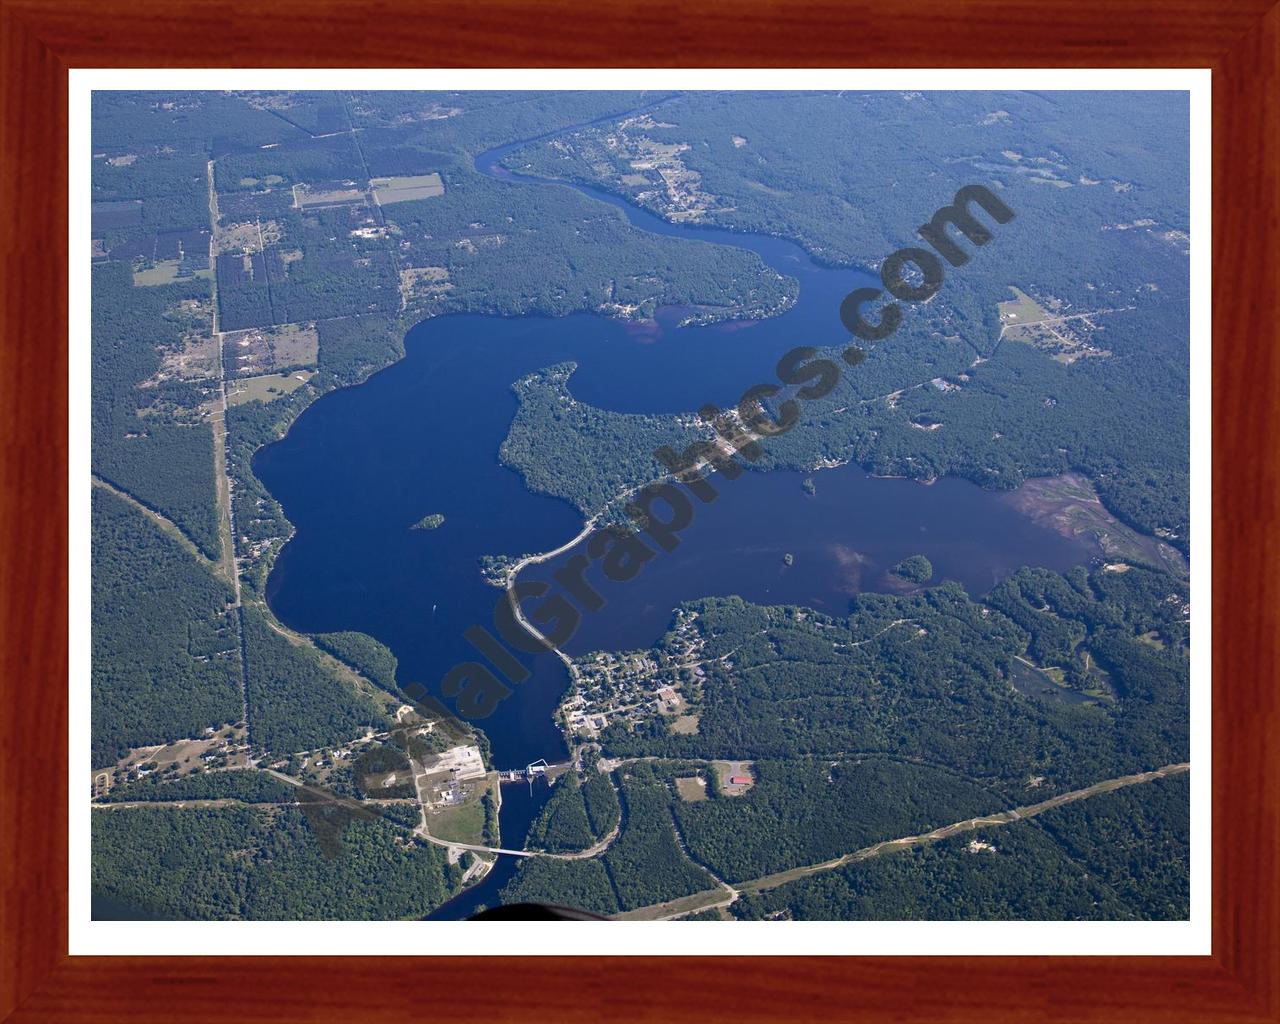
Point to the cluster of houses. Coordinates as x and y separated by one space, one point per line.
637 685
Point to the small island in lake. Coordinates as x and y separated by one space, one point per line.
431 522
917 569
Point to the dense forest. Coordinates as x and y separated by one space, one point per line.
601 801
926 676
1118 856
1110 610
562 825
805 812
228 863
577 815
582 884
260 521
1099 184
916 569
165 663
248 786
400 132
646 863
396 125
353 347
295 701
556 251
374 660
296 159
321 269
561 446
1122 855
192 122
152 441
1137 841
780 162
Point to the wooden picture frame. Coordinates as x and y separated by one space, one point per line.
41 39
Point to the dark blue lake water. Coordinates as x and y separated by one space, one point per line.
364 464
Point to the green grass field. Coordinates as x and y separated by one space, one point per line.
165 272
266 388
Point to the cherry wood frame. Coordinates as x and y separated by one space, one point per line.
41 39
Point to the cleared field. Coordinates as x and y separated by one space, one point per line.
270 179
400 190
1022 309
261 350
305 198
294 345
1064 337
692 789
184 753
248 236
247 353
463 823
266 388
685 725
197 359
420 282
164 272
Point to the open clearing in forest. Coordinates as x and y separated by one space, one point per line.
692 789
403 189
293 345
266 388
164 272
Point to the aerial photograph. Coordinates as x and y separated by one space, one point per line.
659 505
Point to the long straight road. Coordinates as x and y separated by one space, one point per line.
717 897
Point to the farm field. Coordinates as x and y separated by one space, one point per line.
400 190
266 388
